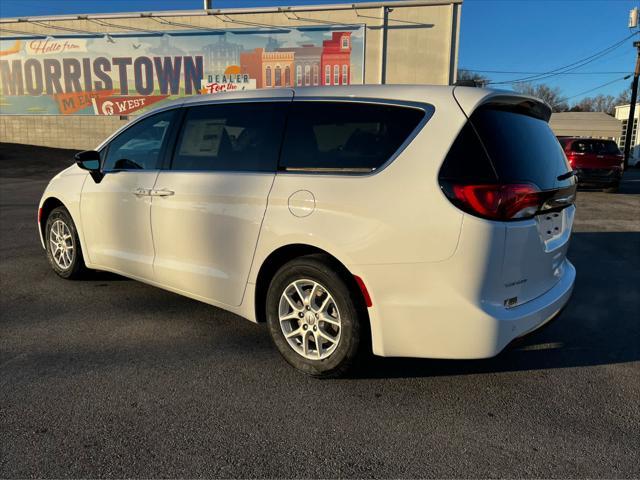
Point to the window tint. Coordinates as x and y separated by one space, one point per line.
508 147
522 148
607 147
598 147
467 160
139 147
580 146
345 135
231 137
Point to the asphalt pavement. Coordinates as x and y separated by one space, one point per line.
108 377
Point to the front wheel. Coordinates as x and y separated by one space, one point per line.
63 245
313 317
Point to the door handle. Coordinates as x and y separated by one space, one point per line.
141 192
162 193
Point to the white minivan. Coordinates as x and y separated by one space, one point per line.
415 221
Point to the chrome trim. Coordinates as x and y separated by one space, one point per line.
133 170
328 169
223 172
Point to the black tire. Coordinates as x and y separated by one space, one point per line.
320 269
76 267
613 188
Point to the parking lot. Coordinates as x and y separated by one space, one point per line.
109 377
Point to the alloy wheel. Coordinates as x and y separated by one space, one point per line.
61 242
309 319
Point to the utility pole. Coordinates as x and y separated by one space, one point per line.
385 27
632 107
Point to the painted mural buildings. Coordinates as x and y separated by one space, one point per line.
119 74
307 65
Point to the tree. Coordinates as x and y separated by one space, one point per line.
599 103
602 103
468 75
552 95
624 97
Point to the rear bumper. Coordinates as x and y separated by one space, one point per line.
598 176
441 323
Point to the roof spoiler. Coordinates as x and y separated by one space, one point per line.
471 98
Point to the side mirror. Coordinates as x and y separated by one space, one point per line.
90 160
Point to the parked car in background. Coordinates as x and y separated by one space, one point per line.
407 220
634 156
597 163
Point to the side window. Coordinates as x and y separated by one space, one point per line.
347 136
140 146
231 137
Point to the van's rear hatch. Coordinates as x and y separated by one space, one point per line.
508 167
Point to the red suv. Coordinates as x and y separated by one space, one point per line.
597 163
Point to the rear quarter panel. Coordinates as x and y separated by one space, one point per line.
395 215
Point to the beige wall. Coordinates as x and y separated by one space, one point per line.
421 48
62 131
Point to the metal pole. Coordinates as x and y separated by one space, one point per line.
385 26
632 108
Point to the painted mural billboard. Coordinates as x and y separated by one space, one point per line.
120 74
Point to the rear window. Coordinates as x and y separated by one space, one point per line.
345 136
508 147
598 147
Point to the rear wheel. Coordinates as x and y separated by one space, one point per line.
313 317
612 189
63 247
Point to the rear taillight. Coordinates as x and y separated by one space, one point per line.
573 157
498 202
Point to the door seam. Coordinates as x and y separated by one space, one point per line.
153 240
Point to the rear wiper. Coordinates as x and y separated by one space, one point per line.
569 174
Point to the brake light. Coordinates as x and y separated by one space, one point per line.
574 157
499 202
